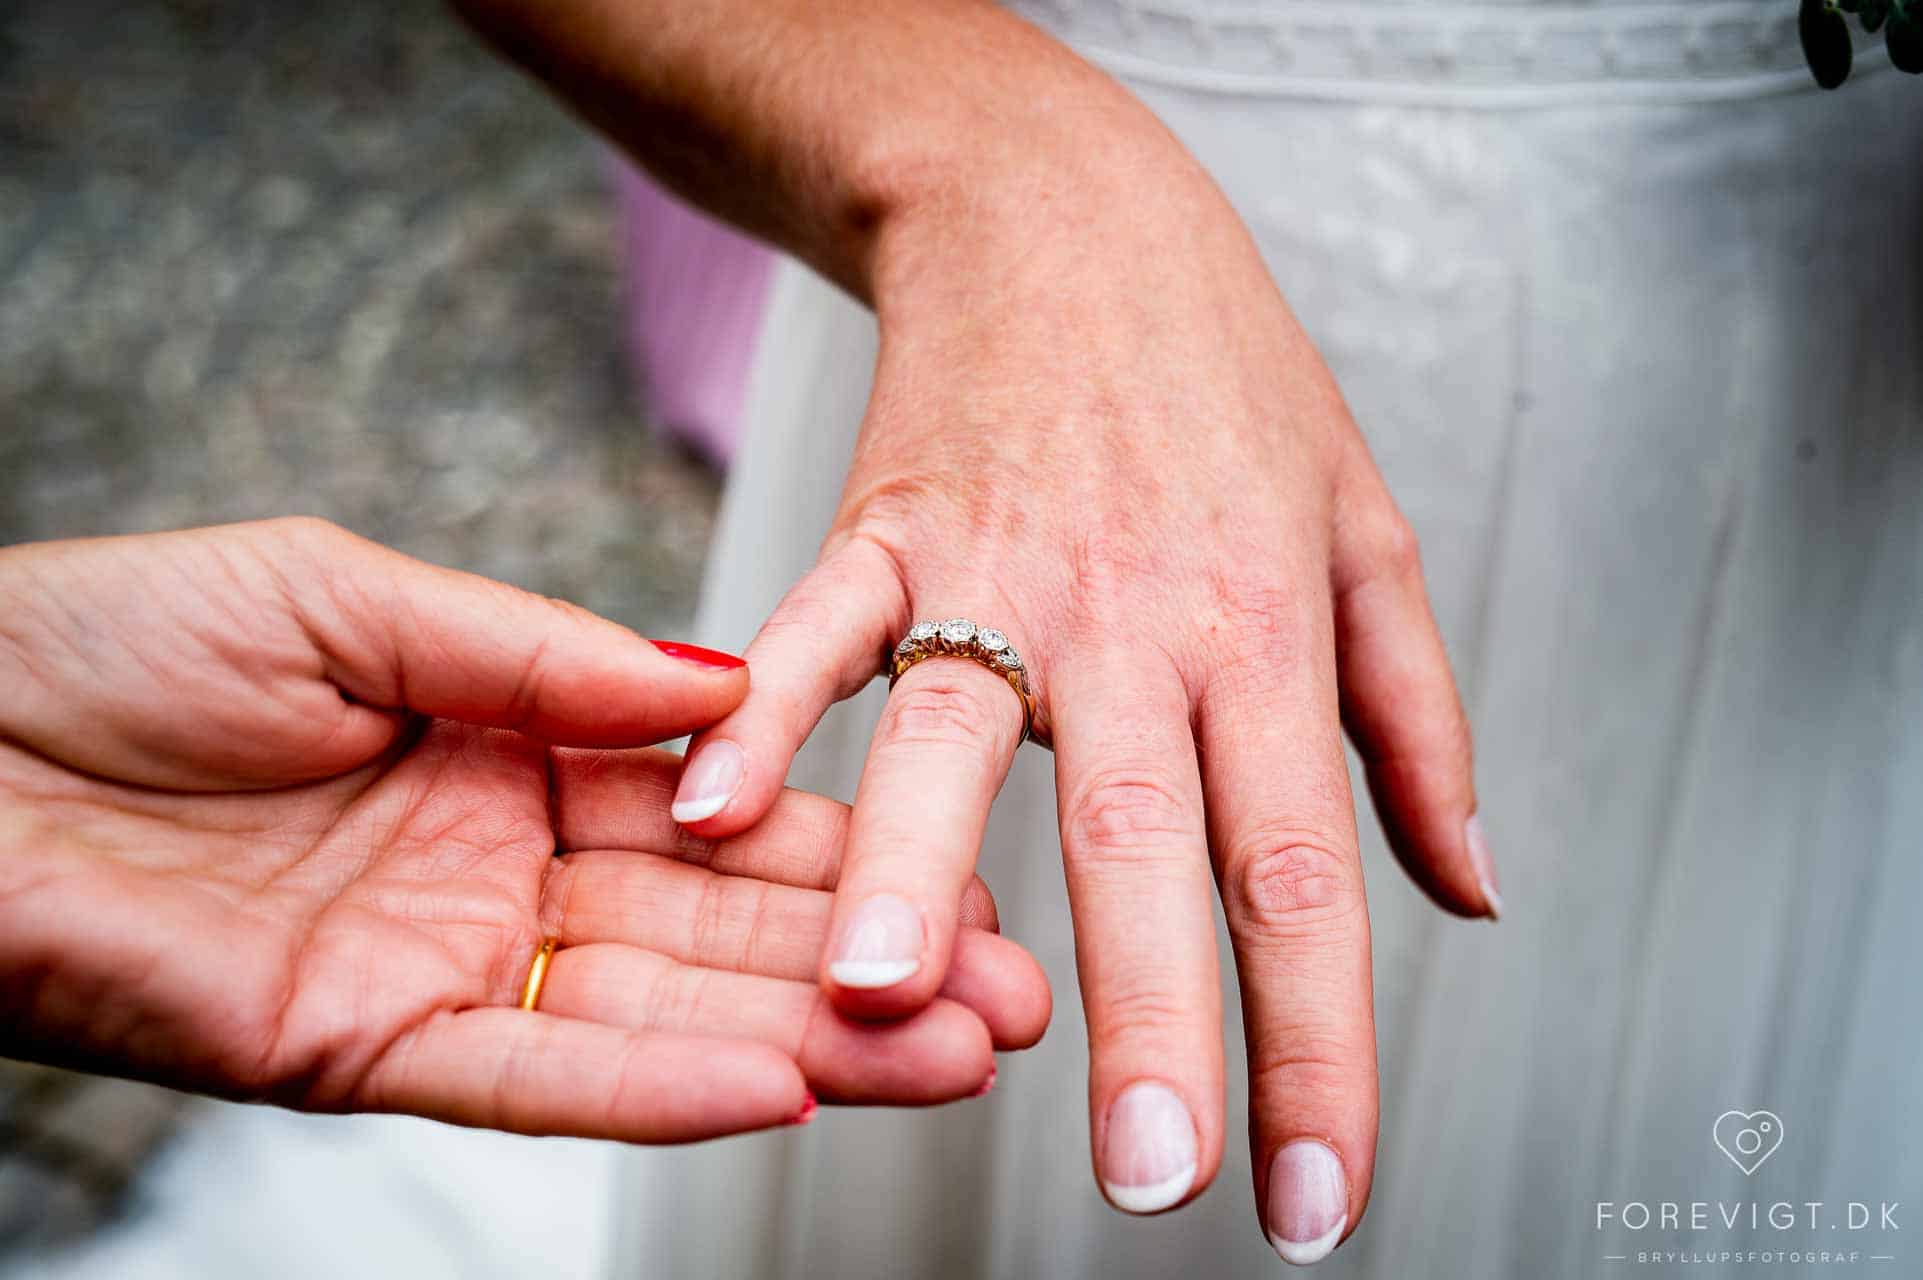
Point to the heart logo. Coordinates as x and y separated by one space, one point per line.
1748 1137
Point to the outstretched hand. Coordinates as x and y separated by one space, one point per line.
279 817
1096 428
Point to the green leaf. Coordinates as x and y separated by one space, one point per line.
1905 40
1826 42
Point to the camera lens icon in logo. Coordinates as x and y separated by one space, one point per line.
1748 1137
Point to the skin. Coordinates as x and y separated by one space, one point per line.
1096 426
284 816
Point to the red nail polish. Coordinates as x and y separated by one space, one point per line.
807 1111
713 659
989 1083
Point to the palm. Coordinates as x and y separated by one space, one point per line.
289 938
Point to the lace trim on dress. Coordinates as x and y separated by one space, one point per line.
1476 54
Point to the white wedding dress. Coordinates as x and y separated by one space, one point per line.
1632 316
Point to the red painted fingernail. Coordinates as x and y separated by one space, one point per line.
807 1111
989 1083
713 659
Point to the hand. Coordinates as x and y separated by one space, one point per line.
240 853
1096 426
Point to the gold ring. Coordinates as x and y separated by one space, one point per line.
537 974
960 638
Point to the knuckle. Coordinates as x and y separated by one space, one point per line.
742 947
1314 1068
309 547
941 711
634 1076
1142 1011
524 700
1264 614
1398 551
307 531
1109 561
807 612
1285 881
1382 546
674 998
709 921
1125 811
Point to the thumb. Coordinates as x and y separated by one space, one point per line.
395 634
290 650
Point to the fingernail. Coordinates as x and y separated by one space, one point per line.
880 944
989 1083
1485 865
1308 1201
713 659
807 1111
708 781
1148 1149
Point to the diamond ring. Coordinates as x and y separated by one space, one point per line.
960 638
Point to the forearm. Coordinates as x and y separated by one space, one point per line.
827 125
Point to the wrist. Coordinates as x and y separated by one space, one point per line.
1048 208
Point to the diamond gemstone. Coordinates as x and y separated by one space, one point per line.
1009 658
958 631
992 640
922 631
906 646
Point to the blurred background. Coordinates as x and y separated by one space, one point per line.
328 258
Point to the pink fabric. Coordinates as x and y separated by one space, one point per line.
696 292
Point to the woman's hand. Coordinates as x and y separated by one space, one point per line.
1096 427
1102 432
280 818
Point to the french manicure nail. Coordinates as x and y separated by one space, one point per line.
1148 1149
708 781
1308 1201
880 945
713 659
1485 865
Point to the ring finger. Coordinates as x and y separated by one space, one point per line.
945 741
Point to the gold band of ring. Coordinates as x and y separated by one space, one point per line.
537 975
960 638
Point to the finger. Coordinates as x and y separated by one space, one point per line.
290 650
1134 848
1282 832
396 634
619 800
1400 705
749 926
823 642
540 1074
946 738
938 1056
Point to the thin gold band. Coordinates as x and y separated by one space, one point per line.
537 974
960 638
